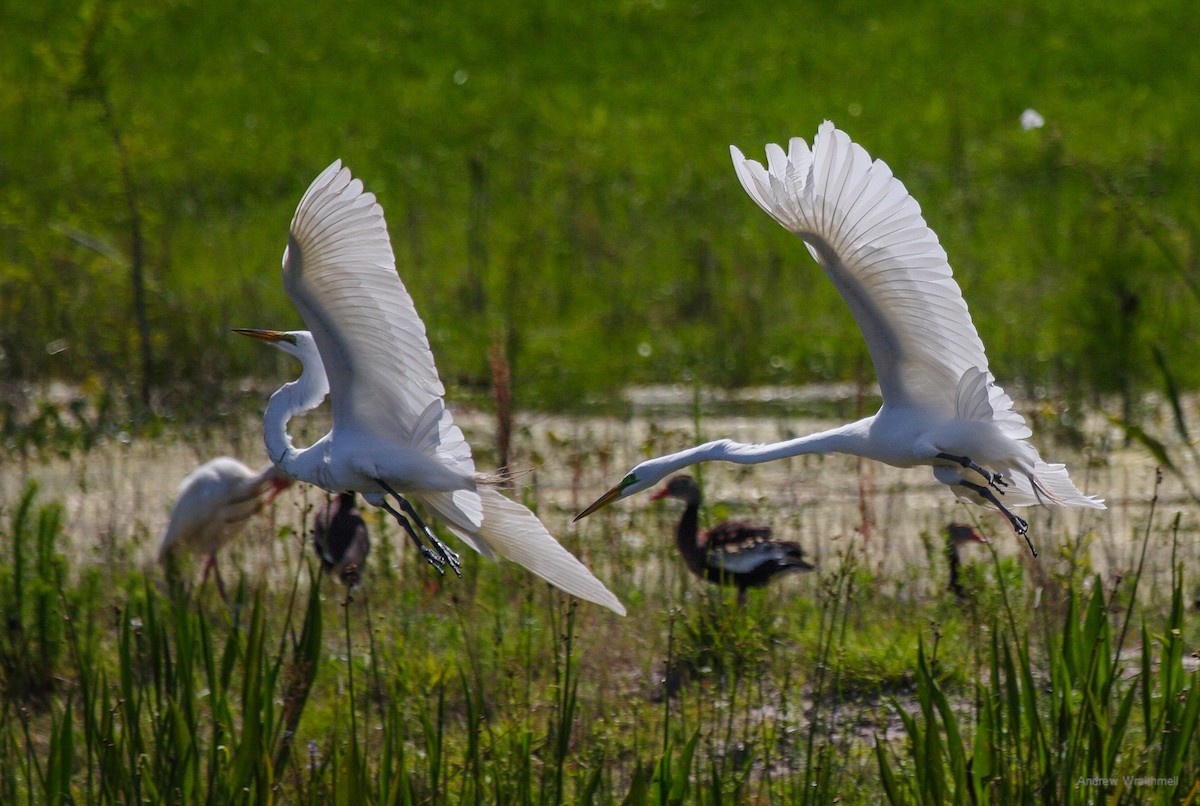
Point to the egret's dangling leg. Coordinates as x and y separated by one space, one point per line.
448 555
445 556
1018 523
994 480
430 556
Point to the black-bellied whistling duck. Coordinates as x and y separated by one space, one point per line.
340 539
958 535
733 552
213 505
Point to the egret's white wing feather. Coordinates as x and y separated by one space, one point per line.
868 234
340 273
512 531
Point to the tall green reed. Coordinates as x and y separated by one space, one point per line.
1058 725
172 713
32 639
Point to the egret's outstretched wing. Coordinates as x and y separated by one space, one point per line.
868 234
339 271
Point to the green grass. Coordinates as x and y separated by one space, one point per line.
556 179
559 175
494 689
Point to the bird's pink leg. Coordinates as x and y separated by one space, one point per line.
211 565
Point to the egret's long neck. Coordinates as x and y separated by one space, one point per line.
851 438
301 395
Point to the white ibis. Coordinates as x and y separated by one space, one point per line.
213 505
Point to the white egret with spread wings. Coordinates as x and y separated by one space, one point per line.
941 404
393 436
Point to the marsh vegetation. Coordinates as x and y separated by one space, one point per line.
864 680
562 208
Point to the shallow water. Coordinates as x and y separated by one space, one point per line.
117 498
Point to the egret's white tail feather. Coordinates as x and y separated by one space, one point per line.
1049 484
463 510
512 531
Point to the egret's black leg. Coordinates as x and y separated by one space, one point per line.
430 555
448 556
1018 523
994 480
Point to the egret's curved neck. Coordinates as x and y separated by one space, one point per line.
301 395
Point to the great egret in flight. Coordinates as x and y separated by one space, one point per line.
212 507
339 536
733 552
941 405
392 434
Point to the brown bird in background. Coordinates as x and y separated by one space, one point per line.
339 537
733 552
958 535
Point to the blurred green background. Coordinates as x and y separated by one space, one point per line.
557 181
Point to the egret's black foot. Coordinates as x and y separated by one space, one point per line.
1022 527
440 555
433 558
1019 524
436 559
447 556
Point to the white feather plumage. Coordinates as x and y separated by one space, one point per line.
940 400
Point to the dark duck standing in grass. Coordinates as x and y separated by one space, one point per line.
958 535
340 539
733 552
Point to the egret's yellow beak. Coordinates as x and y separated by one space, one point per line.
265 335
604 500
